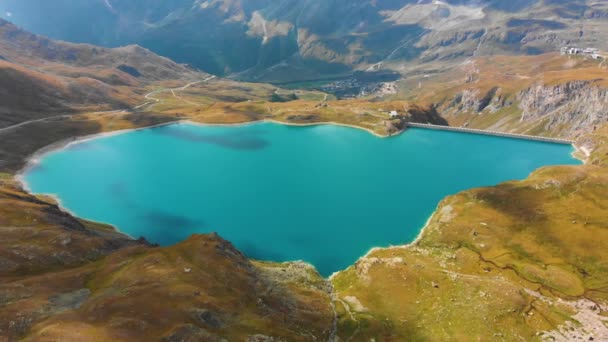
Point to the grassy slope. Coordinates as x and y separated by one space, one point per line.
42 78
492 262
200 289
57 282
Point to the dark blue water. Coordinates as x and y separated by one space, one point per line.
323 194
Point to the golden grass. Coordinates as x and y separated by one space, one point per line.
467 277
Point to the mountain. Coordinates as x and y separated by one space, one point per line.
40 77
523 260
288 40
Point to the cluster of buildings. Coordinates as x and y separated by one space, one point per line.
352 88
588 52
348 88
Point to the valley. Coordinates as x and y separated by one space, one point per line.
520 260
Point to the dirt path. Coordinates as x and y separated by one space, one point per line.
352 317
148 96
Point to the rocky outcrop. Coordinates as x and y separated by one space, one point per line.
425 115
579 106
477 101
567 109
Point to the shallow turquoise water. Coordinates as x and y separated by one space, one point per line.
323 194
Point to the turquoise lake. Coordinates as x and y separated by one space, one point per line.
322 194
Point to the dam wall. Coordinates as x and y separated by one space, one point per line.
493 133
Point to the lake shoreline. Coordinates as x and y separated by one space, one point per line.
579 151
33 160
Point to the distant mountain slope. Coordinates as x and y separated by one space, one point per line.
285 40
40 77
22 47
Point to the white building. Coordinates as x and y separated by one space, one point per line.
588 52
569 50
393 114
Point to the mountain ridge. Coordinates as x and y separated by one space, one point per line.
289 40
43 77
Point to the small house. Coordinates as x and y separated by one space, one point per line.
393 114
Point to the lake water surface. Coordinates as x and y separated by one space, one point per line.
322 194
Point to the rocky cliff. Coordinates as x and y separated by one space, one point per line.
542 95
571 108
568 110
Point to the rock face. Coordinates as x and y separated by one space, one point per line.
541 95
570 109
580 106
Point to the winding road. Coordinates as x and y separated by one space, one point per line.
148 96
